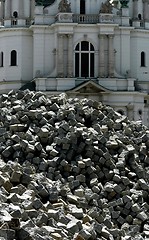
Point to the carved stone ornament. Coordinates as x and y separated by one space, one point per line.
64 17
106 7
106 18
64 6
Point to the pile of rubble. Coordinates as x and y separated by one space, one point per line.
71 169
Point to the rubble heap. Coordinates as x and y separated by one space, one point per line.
71 169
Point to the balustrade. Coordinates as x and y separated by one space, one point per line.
86 18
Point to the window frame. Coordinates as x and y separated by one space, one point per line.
143 62
13 58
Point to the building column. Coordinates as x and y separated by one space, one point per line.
145 10
60 65
111 56
32 7
101 55
21 9
135 9
70 56
2 10
8 9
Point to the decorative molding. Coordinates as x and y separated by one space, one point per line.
64 17
106 18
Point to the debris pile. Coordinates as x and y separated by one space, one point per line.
71 169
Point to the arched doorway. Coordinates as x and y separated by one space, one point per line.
84 59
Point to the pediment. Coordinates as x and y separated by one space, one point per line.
89 87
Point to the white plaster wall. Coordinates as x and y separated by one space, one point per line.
21 42
27 56
43 59
38 43
117 50
122 50
139 43
26 4
12 41
140 8
45 40
131 8
123 99
2 49
50 53
139 105
15 6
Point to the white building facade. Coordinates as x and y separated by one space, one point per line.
86 48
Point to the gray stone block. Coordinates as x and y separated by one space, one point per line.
7 234
72 227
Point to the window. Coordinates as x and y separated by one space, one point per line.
142 59
15 14
1 59
13 60
139 16
84 59
82 6
14 22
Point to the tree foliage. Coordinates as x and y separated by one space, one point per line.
44 3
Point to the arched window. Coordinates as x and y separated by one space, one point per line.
13 60
14 20
1 59
142 59
84 59
139 16
15 14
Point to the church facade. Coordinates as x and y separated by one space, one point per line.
95 49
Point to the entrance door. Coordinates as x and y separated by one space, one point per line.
84 60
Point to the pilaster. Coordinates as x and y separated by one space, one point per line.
8 9
70 56
32 8
21 9
111 56
60 60
2 10
135 9
102 55
145 10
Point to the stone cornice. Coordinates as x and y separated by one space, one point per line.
9 29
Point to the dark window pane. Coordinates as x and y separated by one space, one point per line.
13 58
84 46
15 14
77 64
84 64
82 6
2 59
92 65
77 47
142 59
92 47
